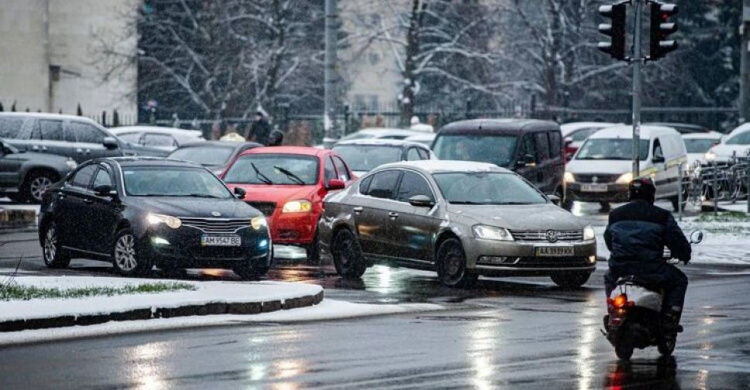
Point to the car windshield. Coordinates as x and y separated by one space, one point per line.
357 135
740 139
484 188
495 149
283 169
204 155
173 181
611 149
368 157
699 145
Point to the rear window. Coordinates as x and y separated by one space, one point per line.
10 127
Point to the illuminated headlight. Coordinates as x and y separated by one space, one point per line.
710 156
155 219
297 206
569 178
625 178
258 222
72 164
588 233
492 233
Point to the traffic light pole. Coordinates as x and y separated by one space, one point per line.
637 62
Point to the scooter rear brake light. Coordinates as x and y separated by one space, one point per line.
620 301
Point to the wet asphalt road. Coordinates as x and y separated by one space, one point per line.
515 332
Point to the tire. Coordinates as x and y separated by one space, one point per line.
624 350
347 255
127 257
248 271
52 252
35 184
451 265
666 344
313 250
605 207
571 280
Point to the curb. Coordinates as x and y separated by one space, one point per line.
211 308
17 216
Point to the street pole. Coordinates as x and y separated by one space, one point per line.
745 63
637 61
329 119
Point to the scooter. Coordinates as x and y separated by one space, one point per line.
634 314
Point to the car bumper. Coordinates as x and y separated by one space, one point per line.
500 258
293 228
614 193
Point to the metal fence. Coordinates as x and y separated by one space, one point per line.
725 181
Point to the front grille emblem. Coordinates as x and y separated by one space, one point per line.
594 179
216 214
551 235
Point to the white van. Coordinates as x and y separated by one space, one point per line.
601 169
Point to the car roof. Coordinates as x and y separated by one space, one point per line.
626 131
132 161
498 125
710 135
156 129
740 129
379 142
45 115
689 127
438 166
568 128
385 130
420 136
227 144
303 150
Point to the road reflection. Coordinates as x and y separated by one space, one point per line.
146 370
643 374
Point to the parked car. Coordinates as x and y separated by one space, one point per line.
463 219
425 139
139 212
381 133
601 169
288 184
575 133
698 144
736 142
71 136
25 176
214 155
363 156
682 128
165 138
531 148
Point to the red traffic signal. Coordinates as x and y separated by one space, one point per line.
660 30
615 29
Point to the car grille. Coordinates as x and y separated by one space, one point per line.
266 208
541 235
216 225
600 178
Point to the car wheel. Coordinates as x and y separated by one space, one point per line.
451 265
571 279
127 257
313 250
54 254
347 255
35 185
250 271
605 207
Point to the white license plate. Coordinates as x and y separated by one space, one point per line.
594 187
554 251
207 240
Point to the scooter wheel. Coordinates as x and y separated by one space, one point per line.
624 350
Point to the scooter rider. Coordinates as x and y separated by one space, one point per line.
636 236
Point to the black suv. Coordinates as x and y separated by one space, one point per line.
533 148
25 176
72 136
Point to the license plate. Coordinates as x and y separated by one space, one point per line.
594 187
554 251
207 240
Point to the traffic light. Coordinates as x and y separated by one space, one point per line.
615 29
660 29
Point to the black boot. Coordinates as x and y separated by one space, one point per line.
671 321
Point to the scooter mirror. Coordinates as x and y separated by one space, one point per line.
696 237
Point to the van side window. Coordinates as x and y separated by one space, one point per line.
555 144
528 146
658 153
542 145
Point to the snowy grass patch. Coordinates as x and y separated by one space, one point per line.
731 216
13 291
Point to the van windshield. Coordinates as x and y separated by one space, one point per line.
495 149
611 149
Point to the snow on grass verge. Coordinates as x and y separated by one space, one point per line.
326 310
12 291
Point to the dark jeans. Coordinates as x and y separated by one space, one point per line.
663 275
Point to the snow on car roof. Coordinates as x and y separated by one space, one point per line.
434 166
710 135
626 131
568 128
376 142
156 129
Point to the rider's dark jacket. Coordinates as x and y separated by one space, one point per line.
638 231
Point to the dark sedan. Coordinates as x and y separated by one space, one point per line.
140 212
214 155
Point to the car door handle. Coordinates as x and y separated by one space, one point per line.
60 196
358 209
35 147
88 201
393 215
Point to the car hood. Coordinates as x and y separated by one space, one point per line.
724 151
196 207
137 150
599 166
275 193
517 217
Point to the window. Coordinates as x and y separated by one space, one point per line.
51 130
10 127
542 145
495 149
424 154
555 145
413 184
130 137
328 170
87 133
102 178
658 153
412 155
341 169
740 139
364 185
159 140
528 146
582 134
82 178
383 184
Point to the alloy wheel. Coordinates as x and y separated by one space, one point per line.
125 253
38 185
50 245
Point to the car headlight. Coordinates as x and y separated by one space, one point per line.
72 164
258 222
710 156
492 233
297 206
588 233
155 219
625 178
568 177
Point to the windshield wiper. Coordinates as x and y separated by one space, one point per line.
289 174
466 202
260 176
203 196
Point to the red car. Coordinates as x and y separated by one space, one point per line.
288 184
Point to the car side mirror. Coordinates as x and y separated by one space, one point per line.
567 141
696 237
335 184
421 201
110 143
554 199
240 192
658 159
527 160
105 190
